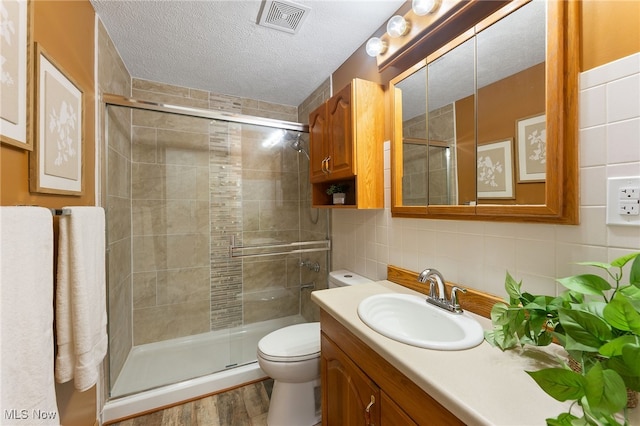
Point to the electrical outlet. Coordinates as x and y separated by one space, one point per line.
623 201
629 192
629 207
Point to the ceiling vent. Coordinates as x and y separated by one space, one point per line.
283 15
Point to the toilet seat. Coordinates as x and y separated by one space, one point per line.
298 342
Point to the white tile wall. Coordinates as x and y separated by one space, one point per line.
478 254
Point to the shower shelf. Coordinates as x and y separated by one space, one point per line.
279 249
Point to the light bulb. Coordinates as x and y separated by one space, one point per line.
375 47
424 7
397 26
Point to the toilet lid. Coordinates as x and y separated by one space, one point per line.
293 343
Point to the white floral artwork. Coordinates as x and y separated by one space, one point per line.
14 73
62 124
532 149
59 131
7 31
494 170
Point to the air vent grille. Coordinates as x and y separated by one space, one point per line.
283 15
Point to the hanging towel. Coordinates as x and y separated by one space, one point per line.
27 388
81 309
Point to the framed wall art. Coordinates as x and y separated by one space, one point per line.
56 161
495 169
15 73
532 149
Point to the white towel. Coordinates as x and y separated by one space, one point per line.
81 309
27 392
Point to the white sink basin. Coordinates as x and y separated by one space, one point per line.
410 319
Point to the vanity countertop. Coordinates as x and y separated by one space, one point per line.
481 386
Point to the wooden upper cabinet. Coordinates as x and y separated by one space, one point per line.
346 146
340 134
318 147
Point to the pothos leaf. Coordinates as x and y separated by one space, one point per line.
512 287
634 274
621 314
605 390
561 384
564 419
614 347
584 327
586 284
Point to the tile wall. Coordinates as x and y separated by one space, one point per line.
114 78
478 254
254 192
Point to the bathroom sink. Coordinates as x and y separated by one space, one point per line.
410 319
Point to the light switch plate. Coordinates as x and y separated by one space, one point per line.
623 204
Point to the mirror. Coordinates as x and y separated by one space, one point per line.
485 126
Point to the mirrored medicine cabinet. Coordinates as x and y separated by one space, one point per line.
485 127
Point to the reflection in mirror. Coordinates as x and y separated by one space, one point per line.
413 90
511 108
451 129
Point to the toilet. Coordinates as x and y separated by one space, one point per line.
291 357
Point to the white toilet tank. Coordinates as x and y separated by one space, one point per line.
344 277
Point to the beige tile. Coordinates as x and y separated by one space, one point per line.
185 148
279 215
163 120
262 310
144 145
183 285
144 289
119 259
170 321
118 216
118 175
187 251
118 127
264 274
162 88
149 253
154 181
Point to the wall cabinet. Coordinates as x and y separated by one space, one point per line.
359 387
346 137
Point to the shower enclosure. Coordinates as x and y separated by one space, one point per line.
211 239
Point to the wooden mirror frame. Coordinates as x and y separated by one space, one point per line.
562 67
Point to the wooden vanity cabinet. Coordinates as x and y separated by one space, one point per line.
346 137
353 374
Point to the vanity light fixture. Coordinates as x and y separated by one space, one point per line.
424 7
397 26
375 47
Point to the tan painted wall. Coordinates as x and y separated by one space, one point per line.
65 30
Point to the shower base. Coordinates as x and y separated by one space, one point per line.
163 373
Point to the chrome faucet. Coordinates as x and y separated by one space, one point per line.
436 281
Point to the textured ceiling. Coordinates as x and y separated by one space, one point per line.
217 45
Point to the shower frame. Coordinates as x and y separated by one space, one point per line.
122 101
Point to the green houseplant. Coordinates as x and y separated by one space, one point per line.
337 190
598 325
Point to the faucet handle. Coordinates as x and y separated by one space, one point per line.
454 297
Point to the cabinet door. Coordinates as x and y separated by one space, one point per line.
340 131
392 414
318 143
349 397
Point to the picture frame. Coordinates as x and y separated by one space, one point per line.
56 161
495 169
532 148
16 73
